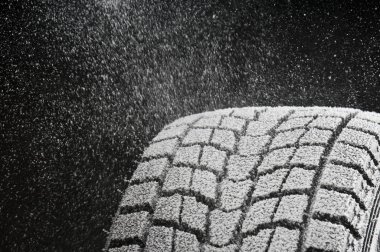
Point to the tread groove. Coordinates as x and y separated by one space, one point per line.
147 159
288 166
317 178
273 225
297 145
363 148
216 146
180 227
281 194
254 175
351 193
355 167
128 210
199 198
337 220
238 136
120 243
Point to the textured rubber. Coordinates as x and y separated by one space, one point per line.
255 179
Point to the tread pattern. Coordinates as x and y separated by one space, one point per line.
254 179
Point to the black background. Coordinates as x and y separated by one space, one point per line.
86 84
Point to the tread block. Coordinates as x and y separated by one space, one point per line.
338 112
185 242
239 167
159 239
270 183
208 122
248 113
370 116
204 183
130 226
234 194
130 248
323 112
252 145
353 244
225 139
360 139
308 155
307 112
194 214
140 196
348 179
292 208
353 156
188 155
287 138
365 126
275 113
327 236
316 136
223 226
154 169
178 179
224 112
336 204
299 179
168 209
178 131
233 123
293 123
163 148
360 222
257 243
213 159
260 128
197 136
259 213
229 248
329 123
284 240
274 159
190 119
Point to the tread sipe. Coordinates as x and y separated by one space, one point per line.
255 179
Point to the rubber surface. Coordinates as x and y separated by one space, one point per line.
255 179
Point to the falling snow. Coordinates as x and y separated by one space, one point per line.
87 84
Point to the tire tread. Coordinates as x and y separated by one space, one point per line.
254 179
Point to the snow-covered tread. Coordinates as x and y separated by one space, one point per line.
255 179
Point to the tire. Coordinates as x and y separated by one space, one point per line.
255 179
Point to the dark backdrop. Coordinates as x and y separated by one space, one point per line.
86 84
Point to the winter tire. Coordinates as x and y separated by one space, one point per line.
256 179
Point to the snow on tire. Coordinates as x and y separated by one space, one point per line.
255 179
